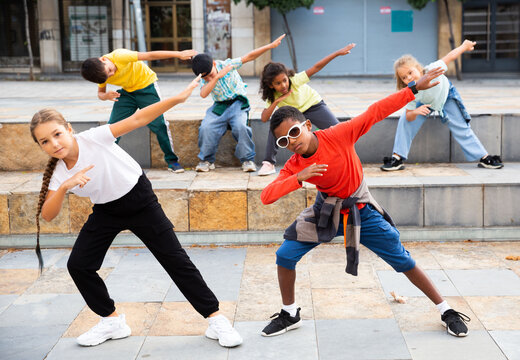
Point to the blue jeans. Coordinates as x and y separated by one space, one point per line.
453 118
376 234
213 127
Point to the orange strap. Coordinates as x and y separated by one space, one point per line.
345 219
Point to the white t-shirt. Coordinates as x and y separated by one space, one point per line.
435 96
114 174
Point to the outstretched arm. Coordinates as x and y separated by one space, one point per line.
151 112
467 45
267 112
257 52
327 59
160 54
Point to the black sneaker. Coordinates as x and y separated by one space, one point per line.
282 322
392 164
491 162
175 167
455 322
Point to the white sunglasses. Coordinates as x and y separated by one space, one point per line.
293 133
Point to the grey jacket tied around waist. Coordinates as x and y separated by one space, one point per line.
320 222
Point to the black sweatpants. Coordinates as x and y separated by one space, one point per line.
140 212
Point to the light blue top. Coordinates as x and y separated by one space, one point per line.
435 96
231 85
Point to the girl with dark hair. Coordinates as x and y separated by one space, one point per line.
280 87
91 164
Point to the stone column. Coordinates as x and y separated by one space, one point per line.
197 25
262 19
49 34
242 34
444 46
117 25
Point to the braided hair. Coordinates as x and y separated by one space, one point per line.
43 116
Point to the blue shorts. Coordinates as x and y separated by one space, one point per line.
376 234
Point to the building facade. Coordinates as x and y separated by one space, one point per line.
63 33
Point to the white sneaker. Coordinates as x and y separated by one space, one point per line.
107 328
220 329
266 169
248 166
205 166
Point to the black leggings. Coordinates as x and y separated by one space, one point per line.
140 212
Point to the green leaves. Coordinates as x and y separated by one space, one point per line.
282 6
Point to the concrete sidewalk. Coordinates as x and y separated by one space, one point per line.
345 317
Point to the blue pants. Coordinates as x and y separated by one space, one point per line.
376 234
213 127
460 129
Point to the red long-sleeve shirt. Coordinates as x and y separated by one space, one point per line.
336 149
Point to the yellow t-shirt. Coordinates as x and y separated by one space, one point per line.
131 74
302 97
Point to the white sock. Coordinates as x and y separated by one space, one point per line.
396 156
443 307
291 309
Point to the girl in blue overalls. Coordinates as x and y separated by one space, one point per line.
443 98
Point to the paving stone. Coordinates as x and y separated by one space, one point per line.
138 287
219 210
221 269
138 260
4 214
258 255
398 282
333 276
139 316
500 208
360 339
58 281
16 281
438 345
42 309
15 345
497 312
328 254
112 258
420 314
422 254
488 282
26 259
175 206
68 348
297 344
6 301
461 255
180 318
350 304
276 216
508 342
80 208
182 347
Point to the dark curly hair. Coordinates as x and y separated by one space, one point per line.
271 71
284 113
93 70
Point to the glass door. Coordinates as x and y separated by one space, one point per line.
495 26
168 27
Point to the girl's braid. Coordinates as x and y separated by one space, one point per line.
49 170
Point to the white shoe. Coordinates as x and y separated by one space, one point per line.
266 169
248 166
220 329
205 166
107 328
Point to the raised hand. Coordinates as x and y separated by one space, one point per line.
346 49
224 71
79 178
469 45
312 170
112 95
284 96
423 110
187 54
191 86
276 42
424 82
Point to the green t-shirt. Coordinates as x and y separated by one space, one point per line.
302 96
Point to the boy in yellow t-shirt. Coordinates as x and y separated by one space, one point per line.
139 89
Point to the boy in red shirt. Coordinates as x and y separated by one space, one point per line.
327 158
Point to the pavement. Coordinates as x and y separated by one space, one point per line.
344 317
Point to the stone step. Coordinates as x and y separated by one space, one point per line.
457 199
432 144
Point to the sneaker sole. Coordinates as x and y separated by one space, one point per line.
211 335
176 171
267 173
485 166
292 327
248 170
400 167
121 335
202 170
453 334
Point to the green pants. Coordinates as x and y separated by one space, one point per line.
127 105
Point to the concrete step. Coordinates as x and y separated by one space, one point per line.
427 201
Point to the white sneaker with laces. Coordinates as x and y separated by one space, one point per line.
205 166
221 329
266 169
107 328
248 166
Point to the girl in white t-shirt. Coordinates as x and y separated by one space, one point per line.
280 86
443 98
92 164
